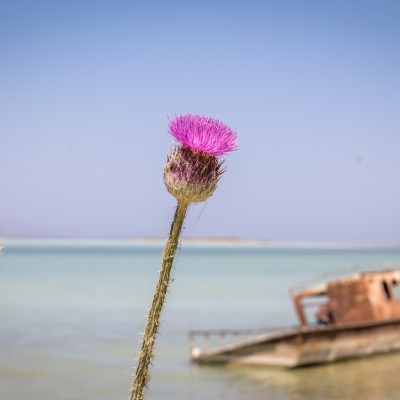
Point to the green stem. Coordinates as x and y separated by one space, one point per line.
141 378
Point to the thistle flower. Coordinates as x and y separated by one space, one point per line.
203 134
191 175
192 170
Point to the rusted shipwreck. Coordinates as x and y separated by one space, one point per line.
354 316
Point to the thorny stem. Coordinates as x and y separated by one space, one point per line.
141 378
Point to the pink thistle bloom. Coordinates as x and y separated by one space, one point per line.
203 134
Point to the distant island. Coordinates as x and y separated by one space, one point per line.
217 241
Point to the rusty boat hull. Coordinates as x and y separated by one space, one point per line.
307 346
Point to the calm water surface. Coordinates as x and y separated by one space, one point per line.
71 314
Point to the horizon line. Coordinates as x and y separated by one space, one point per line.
210 240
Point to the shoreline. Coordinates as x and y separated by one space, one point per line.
197 242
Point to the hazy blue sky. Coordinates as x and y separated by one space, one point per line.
312 88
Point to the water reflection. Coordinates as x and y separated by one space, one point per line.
371 378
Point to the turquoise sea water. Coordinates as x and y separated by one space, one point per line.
71 313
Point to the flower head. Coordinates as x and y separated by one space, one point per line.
193 169
203 134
